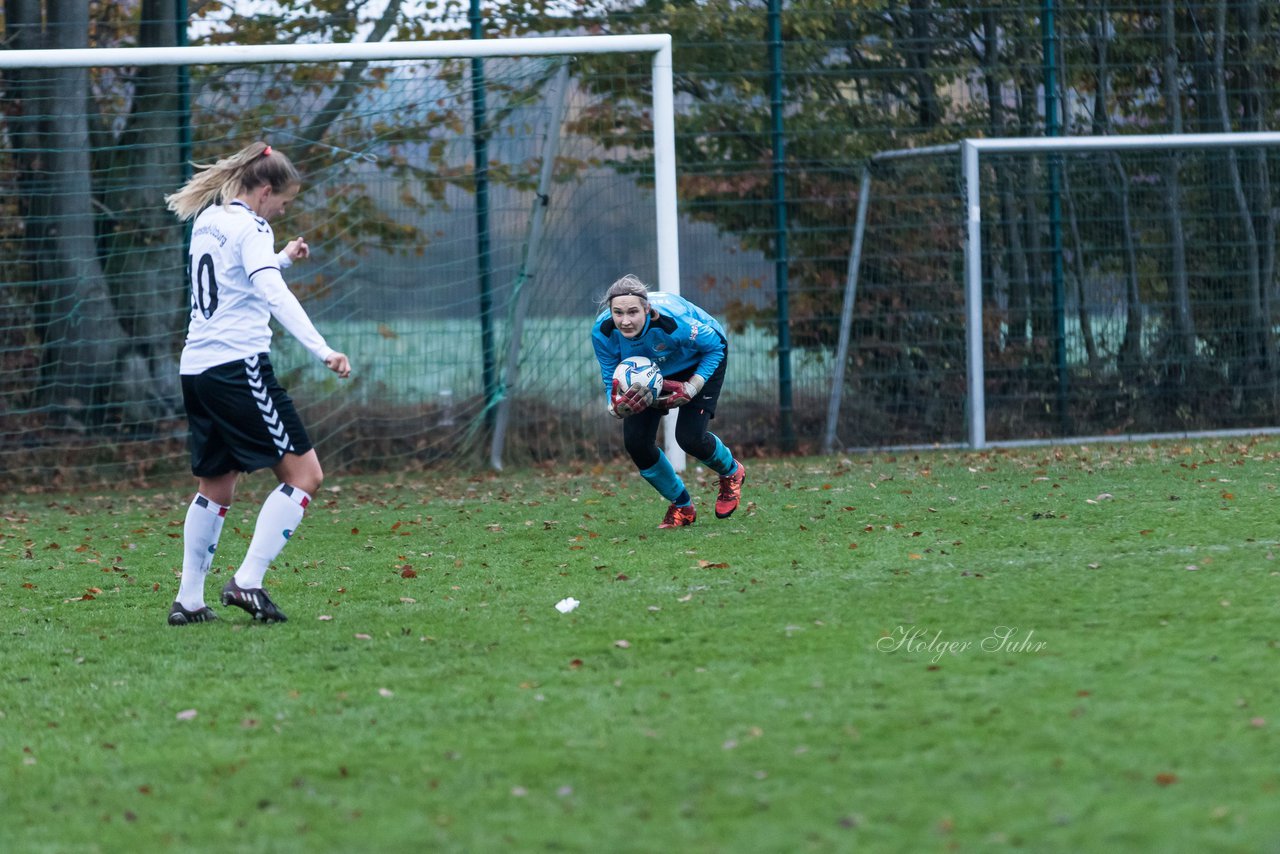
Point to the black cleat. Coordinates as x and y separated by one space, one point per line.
180 616
255 601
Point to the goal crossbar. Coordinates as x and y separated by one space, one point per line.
658 44
970 152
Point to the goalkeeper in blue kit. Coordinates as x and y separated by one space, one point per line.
691 350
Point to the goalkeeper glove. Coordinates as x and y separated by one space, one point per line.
630 402
676 393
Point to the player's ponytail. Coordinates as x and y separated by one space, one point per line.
219 183
628 286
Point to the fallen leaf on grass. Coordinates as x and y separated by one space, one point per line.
1166 779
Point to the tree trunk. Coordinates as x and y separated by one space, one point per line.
1078 262
921 56
1257 335
1081 271
111 292
1258 182
312 136
146 272
1131 344
1183 322
75 321
1015 260
1031 220
1025 275
912 30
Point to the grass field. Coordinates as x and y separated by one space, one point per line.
1066 649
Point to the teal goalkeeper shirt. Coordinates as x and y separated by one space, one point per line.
681 337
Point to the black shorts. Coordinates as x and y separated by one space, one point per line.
240 418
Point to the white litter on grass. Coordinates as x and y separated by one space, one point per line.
564 606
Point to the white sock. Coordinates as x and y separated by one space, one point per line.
279 516
199 541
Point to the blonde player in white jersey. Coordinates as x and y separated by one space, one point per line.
240 418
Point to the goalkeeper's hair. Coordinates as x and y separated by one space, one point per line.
219 183
628 286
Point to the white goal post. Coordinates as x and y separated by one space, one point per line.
658 46
970 153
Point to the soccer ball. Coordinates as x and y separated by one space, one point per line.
642 370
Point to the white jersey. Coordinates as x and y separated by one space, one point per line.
236 288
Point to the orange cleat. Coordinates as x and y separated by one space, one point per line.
730 492
679 517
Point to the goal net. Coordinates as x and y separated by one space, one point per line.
466 203
1005 291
